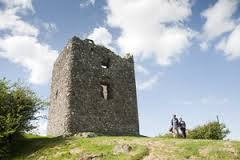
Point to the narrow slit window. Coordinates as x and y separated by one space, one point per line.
90 41
105 91
105 63
104 66
56 94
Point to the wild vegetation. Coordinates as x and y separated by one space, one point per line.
102 147
211 130
18 106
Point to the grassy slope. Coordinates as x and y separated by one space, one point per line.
34 148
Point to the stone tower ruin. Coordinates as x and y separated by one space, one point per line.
92 90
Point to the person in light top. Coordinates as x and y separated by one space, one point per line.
175 125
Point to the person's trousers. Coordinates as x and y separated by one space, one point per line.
183 130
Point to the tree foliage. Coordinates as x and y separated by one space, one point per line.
212 130
18 106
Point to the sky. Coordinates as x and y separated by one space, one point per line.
187 52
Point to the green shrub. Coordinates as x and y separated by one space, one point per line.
18 105
169 135
212 130
166 135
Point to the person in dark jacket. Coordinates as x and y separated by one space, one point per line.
182 126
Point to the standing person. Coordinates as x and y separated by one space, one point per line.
175 125
182 126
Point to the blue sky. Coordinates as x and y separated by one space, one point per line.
187 52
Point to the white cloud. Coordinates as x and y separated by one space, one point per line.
219 18
187 102
41 123
220 22
182 102
213 100
20 44
139 68
49 27
86 3
42 127
149 83
15 25
21 5
151 28
37 58
230 45
205 100
204 45
101 36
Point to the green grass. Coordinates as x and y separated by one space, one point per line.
203 149
237 146
34 148
49 148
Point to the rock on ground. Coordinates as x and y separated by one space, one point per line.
122 148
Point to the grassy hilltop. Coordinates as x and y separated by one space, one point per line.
72 148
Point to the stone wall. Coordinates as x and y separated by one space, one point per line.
79 75
59 110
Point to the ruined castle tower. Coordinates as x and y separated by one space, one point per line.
93 90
